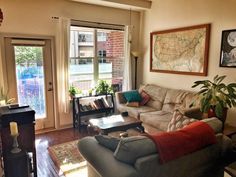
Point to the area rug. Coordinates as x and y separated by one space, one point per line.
68 159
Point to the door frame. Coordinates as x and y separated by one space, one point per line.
3 63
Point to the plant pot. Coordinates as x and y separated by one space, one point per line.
72 96
211 113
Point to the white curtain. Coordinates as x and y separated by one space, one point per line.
127 81
62 64
1 71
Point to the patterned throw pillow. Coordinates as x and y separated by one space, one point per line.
179 121
145 98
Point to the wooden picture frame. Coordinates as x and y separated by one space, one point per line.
228 49
180 51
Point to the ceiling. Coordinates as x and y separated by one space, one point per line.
122 4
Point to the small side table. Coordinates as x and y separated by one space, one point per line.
231 169
229 130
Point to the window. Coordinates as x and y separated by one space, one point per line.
96 54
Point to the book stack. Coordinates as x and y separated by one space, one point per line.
101 103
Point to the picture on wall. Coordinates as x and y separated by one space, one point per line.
180 51
228 48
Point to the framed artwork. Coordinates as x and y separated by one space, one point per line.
228 49
180 51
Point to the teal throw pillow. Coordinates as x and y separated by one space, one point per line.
132 96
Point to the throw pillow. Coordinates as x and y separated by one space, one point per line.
132 96
179 121
145 98
107 141
132 104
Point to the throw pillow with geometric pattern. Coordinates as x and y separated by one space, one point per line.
179 121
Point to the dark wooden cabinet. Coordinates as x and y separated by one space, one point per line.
17 165
25 118
78 112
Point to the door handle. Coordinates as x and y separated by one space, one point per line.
50 85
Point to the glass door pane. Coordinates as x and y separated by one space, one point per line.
30 78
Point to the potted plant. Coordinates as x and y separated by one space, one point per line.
73 91
103 88
90 91
215 96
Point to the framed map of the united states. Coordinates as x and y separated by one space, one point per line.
180 51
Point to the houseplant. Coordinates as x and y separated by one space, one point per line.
215 96
103 88
73 91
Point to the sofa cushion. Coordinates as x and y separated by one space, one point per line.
132 96
107 141
145 98
131 148
156 119
174 99
179 121
157 95
133 104
134 111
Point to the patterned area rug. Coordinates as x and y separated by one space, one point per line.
68 159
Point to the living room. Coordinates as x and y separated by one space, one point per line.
28 19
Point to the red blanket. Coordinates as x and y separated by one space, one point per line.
171 145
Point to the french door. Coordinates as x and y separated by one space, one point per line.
29 76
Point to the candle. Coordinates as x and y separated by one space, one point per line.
13 128
2 102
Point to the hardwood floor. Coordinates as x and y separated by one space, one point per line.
46 167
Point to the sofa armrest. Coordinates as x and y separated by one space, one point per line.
144 164
193 113
225 143
103 161
204 160
120 99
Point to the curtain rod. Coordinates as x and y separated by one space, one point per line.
99 23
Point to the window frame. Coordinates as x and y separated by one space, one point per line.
96 58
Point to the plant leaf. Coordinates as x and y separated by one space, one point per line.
220 79
202 91
232 85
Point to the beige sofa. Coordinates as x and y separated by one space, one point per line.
157 113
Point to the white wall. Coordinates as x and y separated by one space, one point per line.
168 14
34 17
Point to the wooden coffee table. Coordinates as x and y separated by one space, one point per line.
113 123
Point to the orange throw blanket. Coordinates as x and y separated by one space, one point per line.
172 145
